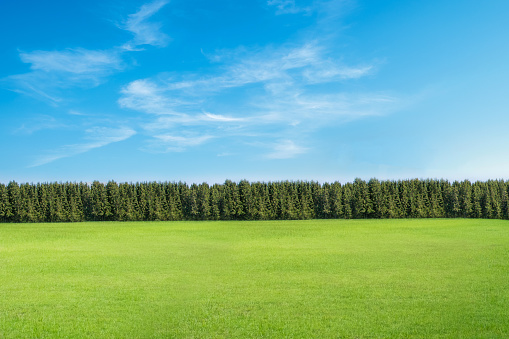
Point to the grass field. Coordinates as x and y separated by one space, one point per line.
327 278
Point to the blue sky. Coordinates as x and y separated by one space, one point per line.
259 90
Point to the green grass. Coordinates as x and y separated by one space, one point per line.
329 278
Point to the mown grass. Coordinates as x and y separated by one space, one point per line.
298 279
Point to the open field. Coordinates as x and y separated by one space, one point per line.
318 278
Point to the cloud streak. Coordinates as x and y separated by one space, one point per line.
165 143
145 32
42 122
52 71
97 137
77 61
279 93
275 96
287 7
286 149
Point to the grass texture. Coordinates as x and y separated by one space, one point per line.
433 278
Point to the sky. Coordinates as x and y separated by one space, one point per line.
263 90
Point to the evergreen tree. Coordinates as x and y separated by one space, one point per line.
452 204
436 199
13 191
232 206
324 202
362 206
375 192
495 199
5 205
203 197
477 211
306 206
246 200
174 202
100 209
190 203
347 201
465 197
117 209
28 203
74 202
215 202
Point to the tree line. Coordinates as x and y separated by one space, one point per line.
283 200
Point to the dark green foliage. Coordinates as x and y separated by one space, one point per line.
362 204
15 201
5 205
284 200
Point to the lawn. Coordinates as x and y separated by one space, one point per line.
294 279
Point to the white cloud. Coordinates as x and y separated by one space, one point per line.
39 123
322 109
74 112
286 149
144 95
218 117
145 32
77 61
331 72
97 137
173 143
275 96
285 67
287 7
52 71
39 85
184 141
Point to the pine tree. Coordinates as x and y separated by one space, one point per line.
477 211
452 203
28 203
375 192
5 205
114 201
100 209
505 200
465 197
215 202
13 191
362 205
495 199
305 198
347 201
75 204
324 202
246 200
436 199
203 197
174 202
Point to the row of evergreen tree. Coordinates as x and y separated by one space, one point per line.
59 202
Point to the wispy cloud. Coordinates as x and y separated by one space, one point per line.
220 118
146 96
97 137
52 71
145 32
288 7
270 80
39 123
76 61
295 67
286 149
77 113
276 92
165 143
